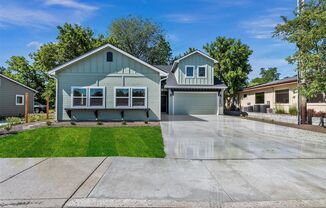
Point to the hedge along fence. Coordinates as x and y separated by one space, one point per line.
39 117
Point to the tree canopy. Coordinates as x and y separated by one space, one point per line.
233 63
266 75
308 31
141 38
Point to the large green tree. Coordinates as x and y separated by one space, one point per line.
233 64
189 50
307 30
266 75
141 38
20 70
72 41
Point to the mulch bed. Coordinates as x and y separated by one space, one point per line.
23 127
303 126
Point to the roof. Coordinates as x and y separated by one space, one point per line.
171 83
277 82
190 54
166 68
51 72
1 75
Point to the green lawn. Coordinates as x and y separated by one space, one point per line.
81 142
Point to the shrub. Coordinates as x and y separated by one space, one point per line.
124 122
8 127
279 110
99 123
13 120
49 123
146 121
73 123
293 111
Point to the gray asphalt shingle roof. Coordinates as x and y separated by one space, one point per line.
281 81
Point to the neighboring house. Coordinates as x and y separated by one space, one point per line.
278 94
110 84
12 97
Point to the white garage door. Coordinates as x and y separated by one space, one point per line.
195 103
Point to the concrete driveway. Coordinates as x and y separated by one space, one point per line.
226 137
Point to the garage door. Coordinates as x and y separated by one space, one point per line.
195 103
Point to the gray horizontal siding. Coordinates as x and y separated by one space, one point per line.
8 92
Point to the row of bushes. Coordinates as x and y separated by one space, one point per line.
13 121
292 110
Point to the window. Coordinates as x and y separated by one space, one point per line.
19 99
122 97
109 56
282 96
96 96
201 71
88 97
131 97
190 71
138 97
319 98
260 98
79 97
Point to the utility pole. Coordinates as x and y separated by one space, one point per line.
302 102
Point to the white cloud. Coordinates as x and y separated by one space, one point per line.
181 18
74 4
263 26
40 17
34 44
26 17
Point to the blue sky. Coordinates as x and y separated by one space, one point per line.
25 25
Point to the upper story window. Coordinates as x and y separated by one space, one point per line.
88 97
201 71
131 97
260 98
19 99
282 96
109 56
190 71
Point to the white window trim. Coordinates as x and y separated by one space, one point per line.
145 101
193 71
130 97
87 97
115 97
205 71
23 100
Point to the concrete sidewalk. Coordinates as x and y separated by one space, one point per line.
144 182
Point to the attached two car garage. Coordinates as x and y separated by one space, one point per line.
195 103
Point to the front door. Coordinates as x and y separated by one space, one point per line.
164 103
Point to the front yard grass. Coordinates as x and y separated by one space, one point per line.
82 142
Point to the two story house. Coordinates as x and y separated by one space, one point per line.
110 84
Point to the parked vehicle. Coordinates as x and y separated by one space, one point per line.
38 107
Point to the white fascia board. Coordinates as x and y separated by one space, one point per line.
52 72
